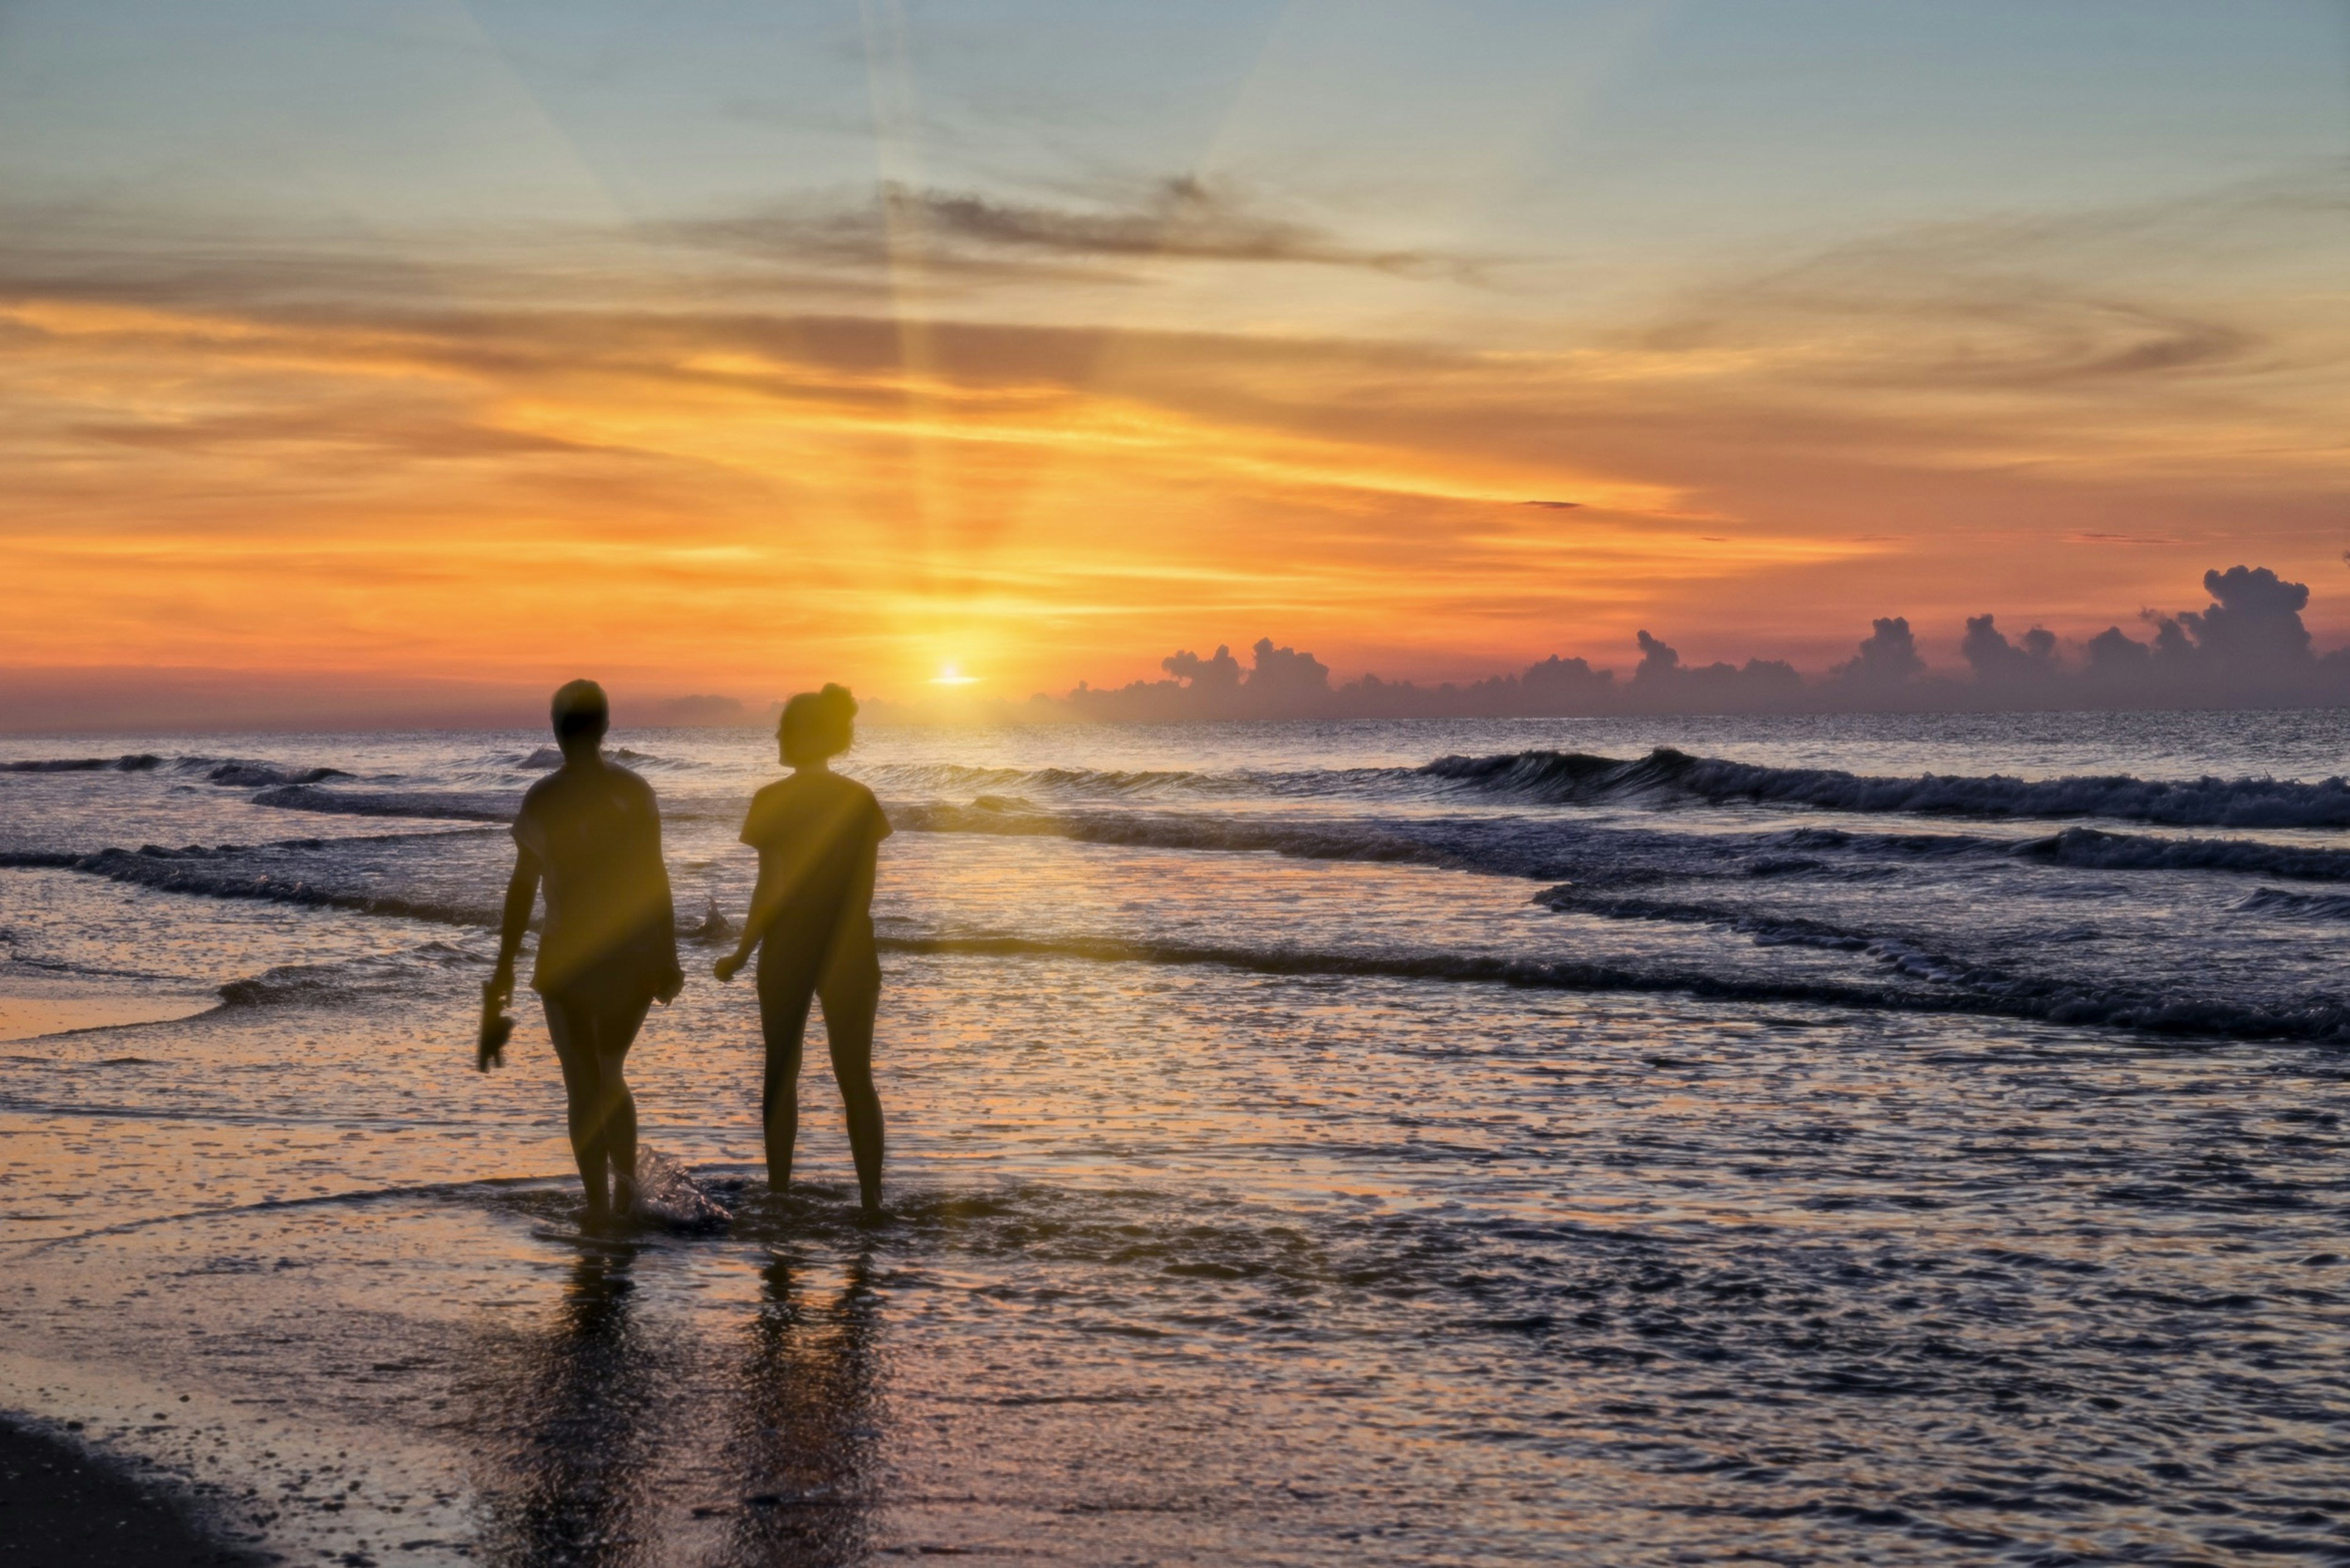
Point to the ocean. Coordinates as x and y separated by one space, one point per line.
1848 1139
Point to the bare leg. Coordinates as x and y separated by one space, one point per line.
601 1115
850 1000
584 1120
782 1017
573 1031
619 1131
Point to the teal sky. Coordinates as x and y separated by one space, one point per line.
1589 134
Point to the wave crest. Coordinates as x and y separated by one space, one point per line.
426 807
138 763
1566 778
2287 906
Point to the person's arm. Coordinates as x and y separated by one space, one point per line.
522 892
673 980
766 903
858 906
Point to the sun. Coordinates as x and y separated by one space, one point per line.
949 675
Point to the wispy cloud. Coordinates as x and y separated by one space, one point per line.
2146 293
492 423
1180 218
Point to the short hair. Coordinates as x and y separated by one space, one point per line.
817 724
579 709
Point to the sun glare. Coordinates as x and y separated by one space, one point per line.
949 675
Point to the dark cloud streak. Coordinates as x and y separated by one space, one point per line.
1180 218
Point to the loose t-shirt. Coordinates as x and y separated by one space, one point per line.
815 833
611 932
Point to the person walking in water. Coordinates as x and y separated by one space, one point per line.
812 922
590 831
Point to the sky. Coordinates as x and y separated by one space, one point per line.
728 348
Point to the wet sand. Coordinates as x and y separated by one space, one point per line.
60 1507
1670 1280
33 1004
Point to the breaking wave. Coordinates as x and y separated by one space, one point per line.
330 985
239 774
1563 777
2287 906
140 762
2086 847
1414 842
219 873
236 772
1907 974
1555 850
2315 1018
428 807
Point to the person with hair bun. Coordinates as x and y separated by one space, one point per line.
811 921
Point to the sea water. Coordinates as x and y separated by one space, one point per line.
1827 1139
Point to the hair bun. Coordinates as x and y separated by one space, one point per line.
817 723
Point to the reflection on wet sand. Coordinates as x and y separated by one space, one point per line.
808 1421
582 1406
614 1435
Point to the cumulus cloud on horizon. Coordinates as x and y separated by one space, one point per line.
2248 647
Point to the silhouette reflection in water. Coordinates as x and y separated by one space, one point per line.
584 1407
809 1426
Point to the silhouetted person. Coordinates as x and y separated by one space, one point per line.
591 831
812 921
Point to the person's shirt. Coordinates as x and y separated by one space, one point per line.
595 829
815 833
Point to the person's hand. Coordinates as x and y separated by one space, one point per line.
490 1044
728 967
670 986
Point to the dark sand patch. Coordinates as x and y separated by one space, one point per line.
60 1507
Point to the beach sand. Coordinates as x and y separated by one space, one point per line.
34 1002
61 1508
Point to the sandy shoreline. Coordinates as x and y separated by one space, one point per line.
61 1505
35 1003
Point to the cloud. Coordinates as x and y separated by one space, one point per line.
1279 684
2253 632
1997 663
1662 684
2083 301
1885 662
970 236
2247 649
382 428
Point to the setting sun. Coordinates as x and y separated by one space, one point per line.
1272 781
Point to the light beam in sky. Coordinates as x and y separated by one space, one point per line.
734 356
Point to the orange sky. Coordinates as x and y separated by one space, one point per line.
417 420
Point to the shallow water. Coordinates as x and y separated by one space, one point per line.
1498 1174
